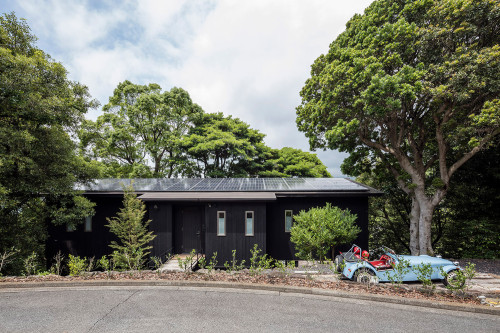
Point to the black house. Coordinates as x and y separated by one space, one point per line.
214 214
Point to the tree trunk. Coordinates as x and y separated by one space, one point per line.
424 229
414 222
426 209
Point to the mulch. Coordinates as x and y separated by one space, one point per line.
407 291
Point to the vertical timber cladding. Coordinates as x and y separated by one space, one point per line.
235 238
94 243
278 242
160 214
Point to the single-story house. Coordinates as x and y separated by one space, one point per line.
214 214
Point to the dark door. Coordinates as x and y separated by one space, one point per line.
189 221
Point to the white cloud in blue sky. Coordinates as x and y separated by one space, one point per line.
248 59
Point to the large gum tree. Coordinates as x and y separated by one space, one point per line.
412 84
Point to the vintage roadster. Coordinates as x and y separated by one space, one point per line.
356 265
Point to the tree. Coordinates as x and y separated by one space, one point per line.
39 109
320 230
141 126
132 232
226 147
415 86
291 162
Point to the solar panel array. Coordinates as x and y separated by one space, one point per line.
227 185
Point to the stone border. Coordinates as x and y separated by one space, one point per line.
251 286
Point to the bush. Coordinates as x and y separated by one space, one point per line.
77 265
320 230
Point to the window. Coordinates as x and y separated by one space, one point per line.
288 220
249 223
88 224
221 223
70 228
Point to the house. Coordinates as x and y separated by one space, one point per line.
214 214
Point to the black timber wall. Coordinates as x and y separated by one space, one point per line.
86 244
162 224
278 241
235 238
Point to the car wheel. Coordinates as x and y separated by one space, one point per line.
452 280
339 260
365 275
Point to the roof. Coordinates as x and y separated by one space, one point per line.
210 186
210 196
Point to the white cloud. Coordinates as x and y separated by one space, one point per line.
245 58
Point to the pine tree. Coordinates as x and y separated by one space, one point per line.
132 231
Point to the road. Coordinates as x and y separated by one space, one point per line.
185 309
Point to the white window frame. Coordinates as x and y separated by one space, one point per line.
87 226
223 212
291 217
246 223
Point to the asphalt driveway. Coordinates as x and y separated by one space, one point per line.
176 309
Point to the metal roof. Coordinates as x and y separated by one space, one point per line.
208 196
276 185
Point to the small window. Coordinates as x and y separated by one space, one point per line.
288 220
249 223
221 223
70 228
88 224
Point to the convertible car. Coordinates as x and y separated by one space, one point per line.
355 264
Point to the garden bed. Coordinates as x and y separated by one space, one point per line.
267 278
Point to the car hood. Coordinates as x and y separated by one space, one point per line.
425 259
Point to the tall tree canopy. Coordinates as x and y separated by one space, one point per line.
226 147
140 132
292 162
415 85
39 106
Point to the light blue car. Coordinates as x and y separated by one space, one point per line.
382 269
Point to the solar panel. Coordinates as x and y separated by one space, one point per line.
227 184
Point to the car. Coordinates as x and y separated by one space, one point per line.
356 265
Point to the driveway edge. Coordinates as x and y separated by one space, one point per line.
249 286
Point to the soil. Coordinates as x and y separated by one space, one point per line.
272 278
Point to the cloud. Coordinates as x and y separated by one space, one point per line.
248 59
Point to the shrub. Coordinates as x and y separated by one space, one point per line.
320 230
77 265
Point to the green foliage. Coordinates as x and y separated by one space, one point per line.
400 269
104 263
317 231
414 85
187 263
291 162
39 110
461 279
212 263
57 266
31 264
77 265
254 259
424 274
202 262
6 257
132 232
141 126
234 266
225 147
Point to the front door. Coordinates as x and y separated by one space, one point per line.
189 221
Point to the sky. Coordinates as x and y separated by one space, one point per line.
245 58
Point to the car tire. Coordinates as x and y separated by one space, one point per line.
338 263
451 280
365 276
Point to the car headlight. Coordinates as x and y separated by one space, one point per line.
456 263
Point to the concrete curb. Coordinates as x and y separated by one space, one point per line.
250 286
